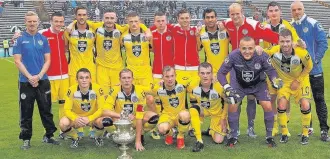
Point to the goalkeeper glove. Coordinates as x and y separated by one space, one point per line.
277 83
231 94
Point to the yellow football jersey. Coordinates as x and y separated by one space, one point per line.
137 53
81 49
211 101
119 101
283 25
108 53
84 105
216 47
172 101
95 24
296 67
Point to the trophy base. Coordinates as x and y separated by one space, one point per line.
124 157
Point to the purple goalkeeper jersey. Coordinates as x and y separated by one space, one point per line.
248 72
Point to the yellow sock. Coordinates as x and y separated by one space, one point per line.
283 120
158 109
182 129
61 111
275 121
98 132
305 120
81 129
71 133
196 123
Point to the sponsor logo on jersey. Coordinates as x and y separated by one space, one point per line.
215 48
85 107
136 50
82 46
205 104
25 42
227 60
174 102
107 44
247 76
128 108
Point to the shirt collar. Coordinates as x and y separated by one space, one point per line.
301 19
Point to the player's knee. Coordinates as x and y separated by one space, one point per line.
150 99
163 128
304 104
266 105
64 123
282 104
196 107
184 116
218 139
106 122
154 119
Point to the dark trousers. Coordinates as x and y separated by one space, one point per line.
317 84
42 95
6 50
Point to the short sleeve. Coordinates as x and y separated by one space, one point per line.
17 48
46 46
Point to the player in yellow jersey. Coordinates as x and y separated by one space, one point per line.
214 41
293 66
132 98
81 43
83 107
276 24
172 98
207 100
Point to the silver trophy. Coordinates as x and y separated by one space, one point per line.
124 134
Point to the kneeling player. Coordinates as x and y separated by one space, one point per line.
83 107
172 99
131 98
293 66
250 72
206 100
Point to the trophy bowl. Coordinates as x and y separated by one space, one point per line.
123 135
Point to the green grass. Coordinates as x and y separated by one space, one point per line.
247 148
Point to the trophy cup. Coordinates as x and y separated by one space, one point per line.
124 134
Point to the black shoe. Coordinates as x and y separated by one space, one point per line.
191 133
98 141
270 141
324 136
284 139
232 142
198 146
175 132
304 140
206 132
50 140
75 143
26 145
142 140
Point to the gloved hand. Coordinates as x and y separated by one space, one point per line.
231 94
277 83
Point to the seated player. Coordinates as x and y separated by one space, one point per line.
293 66
206 99
172 99
250 70
131 98
83 107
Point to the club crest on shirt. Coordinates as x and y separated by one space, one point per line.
222 36
116 34
205 104
82 46
191 32
305 30
295 62
168 37
247 76
179 89
245 31
214 96
215 48
174 102
23 96
40 42
92 96
227 60
89 35
134 99
107 44
257 66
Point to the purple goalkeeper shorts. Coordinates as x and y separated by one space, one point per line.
260 91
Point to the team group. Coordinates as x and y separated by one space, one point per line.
94 86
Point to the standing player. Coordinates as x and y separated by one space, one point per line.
207 100
32 58
293 66
238 27
313 34
162 45
83 107
81 43
58 69
250 70
172 98
132 98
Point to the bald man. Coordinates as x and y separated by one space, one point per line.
312 32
